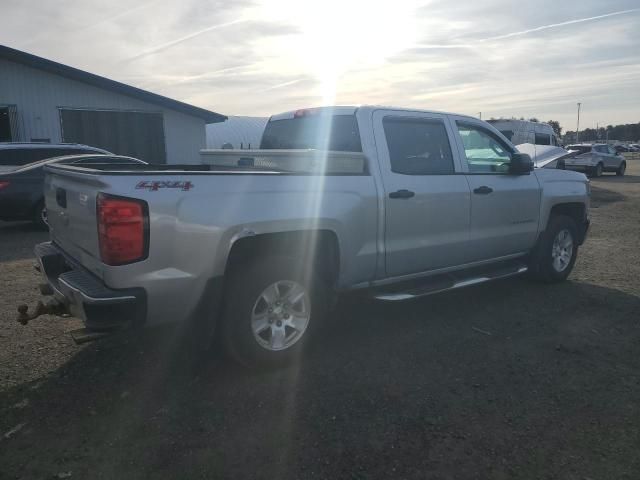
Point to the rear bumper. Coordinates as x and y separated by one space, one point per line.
86 296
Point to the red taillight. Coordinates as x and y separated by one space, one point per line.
122 229
3 185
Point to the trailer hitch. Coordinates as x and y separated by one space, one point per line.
51 307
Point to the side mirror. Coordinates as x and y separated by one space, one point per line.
521 164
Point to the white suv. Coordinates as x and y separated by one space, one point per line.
595 159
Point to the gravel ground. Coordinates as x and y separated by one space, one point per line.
504 380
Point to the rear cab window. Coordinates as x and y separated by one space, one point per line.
313 131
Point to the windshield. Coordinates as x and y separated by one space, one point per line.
311 131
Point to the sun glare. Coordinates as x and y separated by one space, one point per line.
336 36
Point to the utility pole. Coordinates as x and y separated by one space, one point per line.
480 115
578 125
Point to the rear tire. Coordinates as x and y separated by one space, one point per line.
553 258
273 306
597 171
621 169
40 216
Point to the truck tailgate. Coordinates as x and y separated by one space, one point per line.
70 199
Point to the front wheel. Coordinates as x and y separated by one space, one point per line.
273 305
556 252
621 169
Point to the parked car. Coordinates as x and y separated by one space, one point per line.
16 154
257 246
21 188
595 159
525 131
622 148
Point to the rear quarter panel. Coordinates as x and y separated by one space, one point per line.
192 232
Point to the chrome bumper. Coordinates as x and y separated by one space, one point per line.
85 295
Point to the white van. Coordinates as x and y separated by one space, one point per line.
524 131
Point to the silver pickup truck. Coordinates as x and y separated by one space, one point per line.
257 245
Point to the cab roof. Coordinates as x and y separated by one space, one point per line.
352 109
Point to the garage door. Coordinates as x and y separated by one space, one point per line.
137 134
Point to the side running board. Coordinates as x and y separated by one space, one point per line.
448 281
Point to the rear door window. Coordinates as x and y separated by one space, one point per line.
418 147
313 131
507 133
543 139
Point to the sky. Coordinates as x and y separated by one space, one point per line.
260 57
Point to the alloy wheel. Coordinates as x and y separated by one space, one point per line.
281 315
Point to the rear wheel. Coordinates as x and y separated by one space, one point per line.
40 216
621 169
556 252
273 305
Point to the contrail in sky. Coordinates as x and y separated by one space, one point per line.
285 84
91 26
524 32
164 46
556 25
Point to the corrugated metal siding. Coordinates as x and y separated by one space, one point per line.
238 131
38 96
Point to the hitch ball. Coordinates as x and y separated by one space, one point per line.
52 307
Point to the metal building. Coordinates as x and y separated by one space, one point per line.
237 132
42 100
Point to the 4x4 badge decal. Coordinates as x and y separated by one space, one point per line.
154 186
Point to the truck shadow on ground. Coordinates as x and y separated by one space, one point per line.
612 178
479 380
602 196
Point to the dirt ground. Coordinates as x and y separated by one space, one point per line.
504 380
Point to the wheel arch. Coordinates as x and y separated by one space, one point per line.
577 211
319 246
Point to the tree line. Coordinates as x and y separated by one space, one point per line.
629 132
